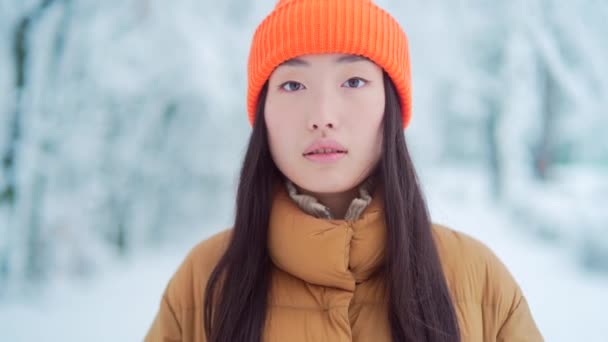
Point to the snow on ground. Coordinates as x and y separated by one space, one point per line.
116 306
567 303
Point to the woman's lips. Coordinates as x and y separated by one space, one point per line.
325 158
325 150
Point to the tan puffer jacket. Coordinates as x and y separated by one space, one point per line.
322 290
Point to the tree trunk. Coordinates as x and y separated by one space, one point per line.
543 150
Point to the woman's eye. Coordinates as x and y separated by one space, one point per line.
292 86
355 82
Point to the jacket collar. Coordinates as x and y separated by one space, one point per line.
312 206
326 252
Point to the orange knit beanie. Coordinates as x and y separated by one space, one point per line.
300 27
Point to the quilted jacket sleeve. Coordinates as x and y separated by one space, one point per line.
519 324
166 326
512 316
179 317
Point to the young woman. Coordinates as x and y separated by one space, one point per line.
332 240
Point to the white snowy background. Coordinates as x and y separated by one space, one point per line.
123 125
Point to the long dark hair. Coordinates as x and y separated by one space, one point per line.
419 303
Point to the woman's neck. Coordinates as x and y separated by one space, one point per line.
337 203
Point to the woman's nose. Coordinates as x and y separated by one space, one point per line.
328 125
324 114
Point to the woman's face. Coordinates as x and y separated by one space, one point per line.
320 102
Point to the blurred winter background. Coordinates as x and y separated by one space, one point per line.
123 125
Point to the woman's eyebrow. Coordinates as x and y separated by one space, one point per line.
342 59
296 62
351 59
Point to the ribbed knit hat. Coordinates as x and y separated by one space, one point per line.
300 27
